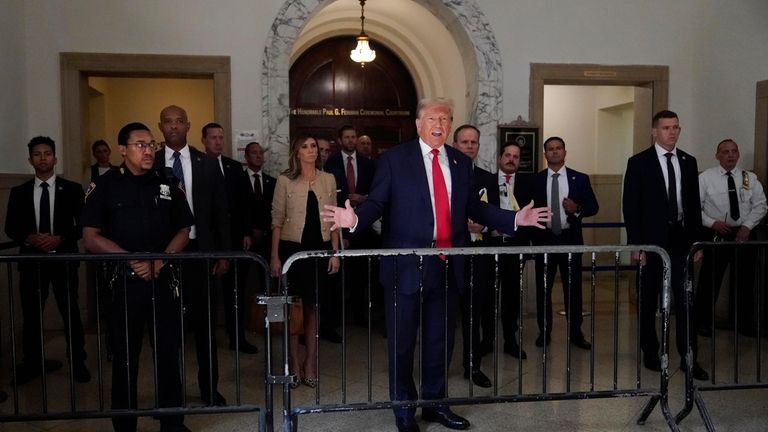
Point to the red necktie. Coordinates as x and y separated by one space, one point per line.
350 175
442 208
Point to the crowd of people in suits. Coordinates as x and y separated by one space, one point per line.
174 198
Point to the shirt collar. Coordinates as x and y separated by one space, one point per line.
426 149
185 153
722 170
51 181
660 151
561 172
252 172
353 155
502 176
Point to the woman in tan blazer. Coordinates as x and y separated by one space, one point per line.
300 193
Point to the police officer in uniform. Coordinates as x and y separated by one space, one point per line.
135 209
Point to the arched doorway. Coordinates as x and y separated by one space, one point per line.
328 90
468 31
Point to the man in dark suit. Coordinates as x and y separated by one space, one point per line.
354 175
200 177
101 152
662 207
232 170
568 193
477 298
43 216
260 189
423 191
510 191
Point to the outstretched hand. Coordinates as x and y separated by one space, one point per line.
530 216
341 217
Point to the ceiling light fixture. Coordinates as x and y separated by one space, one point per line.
362 53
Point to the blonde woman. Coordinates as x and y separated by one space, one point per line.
301 191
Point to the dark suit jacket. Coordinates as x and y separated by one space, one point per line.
259 212
95 171
646 204
236 198
20 217
400 194
211 209
579 190
337 165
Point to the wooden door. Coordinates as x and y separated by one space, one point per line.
329 90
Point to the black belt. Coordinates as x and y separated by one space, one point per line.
502 239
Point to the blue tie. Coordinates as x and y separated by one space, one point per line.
178 171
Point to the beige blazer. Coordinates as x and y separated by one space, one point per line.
289 205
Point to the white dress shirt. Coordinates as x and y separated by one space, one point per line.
716 205
426 153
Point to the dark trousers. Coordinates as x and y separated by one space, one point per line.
650 289
436 339
34 281
509 285
570 276
741 302
200 300
235 304
138 303
476 304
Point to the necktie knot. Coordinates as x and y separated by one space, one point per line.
507 178
44 185
669 155
555 175
729 174
176 154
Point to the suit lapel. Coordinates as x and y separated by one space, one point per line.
416 162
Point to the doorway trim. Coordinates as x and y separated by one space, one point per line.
761 132
76 68
655 78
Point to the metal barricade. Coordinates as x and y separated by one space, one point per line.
734 352
57 398
622 353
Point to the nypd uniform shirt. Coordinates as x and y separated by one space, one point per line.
139 213
715 204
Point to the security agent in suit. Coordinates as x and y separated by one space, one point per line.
510 191
477 297
354 176
662 207
138 209
43 216
206 195
732 204
572 201
234 180
411 192
260 188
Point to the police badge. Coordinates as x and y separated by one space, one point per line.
165 192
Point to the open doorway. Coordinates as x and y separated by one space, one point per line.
78 68
116 101
649 88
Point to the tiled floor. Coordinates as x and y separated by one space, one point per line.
742 410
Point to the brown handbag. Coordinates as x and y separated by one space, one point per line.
259 313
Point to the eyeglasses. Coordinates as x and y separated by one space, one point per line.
152 145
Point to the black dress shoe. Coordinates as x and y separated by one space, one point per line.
218 399
479 378
515 351
540 340
245 347
406 424
445 417
81 373
580 342
330 336
652 362
697 371
26 372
